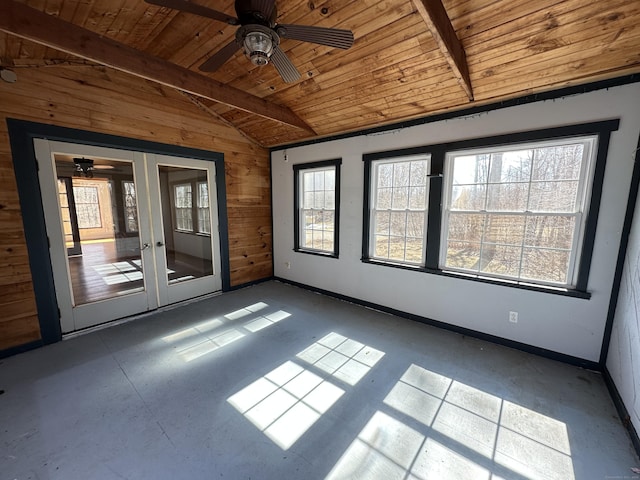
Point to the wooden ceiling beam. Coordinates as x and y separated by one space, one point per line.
198 103
435 16
30 24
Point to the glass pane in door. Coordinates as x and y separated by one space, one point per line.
186 220
100 204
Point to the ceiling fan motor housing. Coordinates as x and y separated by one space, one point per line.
258 35
257 12
258 42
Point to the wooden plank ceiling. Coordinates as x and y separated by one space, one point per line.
403 64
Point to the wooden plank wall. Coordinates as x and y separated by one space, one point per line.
102 100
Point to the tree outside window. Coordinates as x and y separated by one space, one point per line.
204 218
516 213
183 207
399 194
130 206
192 212
87 207
518 209
317 198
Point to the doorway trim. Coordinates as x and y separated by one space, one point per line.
21 136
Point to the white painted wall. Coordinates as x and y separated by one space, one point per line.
197 246
623 361
562 324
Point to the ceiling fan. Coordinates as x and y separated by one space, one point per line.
86 166
258 35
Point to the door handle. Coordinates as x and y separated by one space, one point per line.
160 244
145 246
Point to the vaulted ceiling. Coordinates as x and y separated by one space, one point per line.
410 58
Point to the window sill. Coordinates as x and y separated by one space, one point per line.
389 263
566 292
317 253
190 232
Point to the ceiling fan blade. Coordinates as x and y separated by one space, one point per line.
285 68
196 9
331 37
248 11
217 59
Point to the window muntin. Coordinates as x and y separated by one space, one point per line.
191 207
517 213
130 206
316 189
317 209
540 216
204 218
183 207
398 212
87 207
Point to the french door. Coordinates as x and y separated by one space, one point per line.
128 231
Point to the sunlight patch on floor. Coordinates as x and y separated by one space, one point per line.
341 357
286 402
211 345
203 338
458 432
243 312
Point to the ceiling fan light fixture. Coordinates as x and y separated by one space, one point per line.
84 167
258 34
258 46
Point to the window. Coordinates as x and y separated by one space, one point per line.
518 212
398 209
204 219
188 208
87 207
130 206
317 201
183 206
518 209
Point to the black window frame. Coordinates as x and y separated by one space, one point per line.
405 156
297 169
438 152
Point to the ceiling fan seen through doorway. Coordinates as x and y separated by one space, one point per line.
258 34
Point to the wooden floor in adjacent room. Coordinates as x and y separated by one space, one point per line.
102 272
276 382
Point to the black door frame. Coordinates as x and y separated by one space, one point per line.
21 136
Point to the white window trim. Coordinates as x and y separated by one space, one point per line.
176 207
124 201
302 209
198 228
97 206
373 188
585 183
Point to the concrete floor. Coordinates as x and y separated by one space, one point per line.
275 382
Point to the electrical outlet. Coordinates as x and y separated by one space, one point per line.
513 317
288 265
